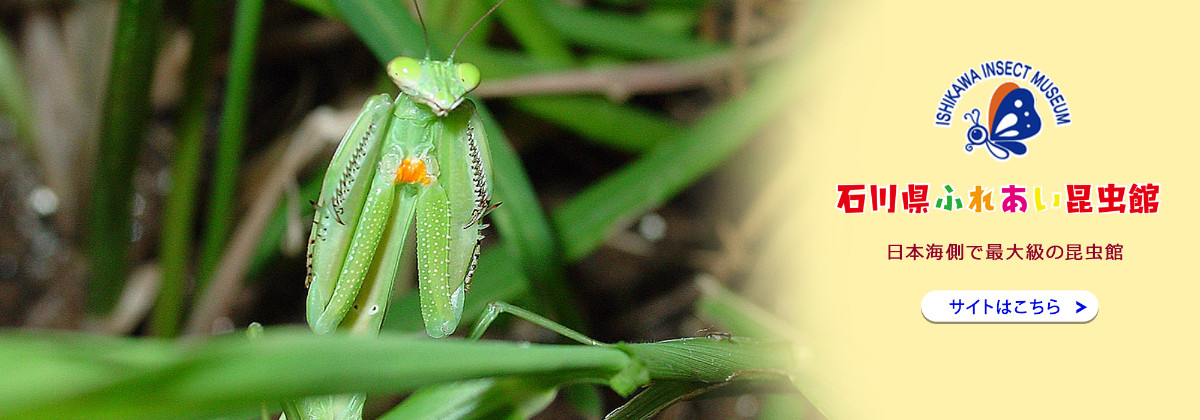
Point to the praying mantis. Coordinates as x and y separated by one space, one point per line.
423 153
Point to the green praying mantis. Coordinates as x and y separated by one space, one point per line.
424 152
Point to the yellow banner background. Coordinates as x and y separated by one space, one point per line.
1129 74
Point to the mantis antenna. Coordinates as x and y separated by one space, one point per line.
481 18
424 30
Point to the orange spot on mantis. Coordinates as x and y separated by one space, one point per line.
412 170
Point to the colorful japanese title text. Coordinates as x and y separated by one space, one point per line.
1075 199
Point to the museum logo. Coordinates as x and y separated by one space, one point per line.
1012 117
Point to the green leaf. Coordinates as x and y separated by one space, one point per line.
56 376
235 113
620 127
710 359
15 102
665 393
620 34
74 375
384 26
629 379
655 398
590 217
738 315
122 125
179 213
488 398
321 7
533 32
454 400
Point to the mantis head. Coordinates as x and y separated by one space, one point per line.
442 85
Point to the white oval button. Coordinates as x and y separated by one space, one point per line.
1010 306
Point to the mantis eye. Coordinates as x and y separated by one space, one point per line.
404 70
468 74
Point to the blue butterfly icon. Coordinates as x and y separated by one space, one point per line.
1012 118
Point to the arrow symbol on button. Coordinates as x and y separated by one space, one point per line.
1081 307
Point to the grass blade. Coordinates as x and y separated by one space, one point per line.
521 17
175 246
15 102
624 128
64 376
123 122
712 360
488 398
384 26
738 315
620 34
664 393
655 398
619 126
527 233
321 7
56 375
589 218
234 114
